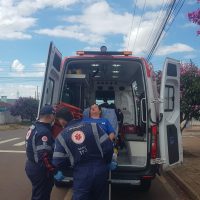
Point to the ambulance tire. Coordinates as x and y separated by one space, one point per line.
60 184
145 185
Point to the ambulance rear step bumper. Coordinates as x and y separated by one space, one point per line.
112 181
130 182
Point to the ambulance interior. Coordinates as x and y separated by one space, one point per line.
121 83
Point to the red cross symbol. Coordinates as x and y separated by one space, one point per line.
78 136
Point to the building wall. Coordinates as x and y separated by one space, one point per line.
195 122
7 118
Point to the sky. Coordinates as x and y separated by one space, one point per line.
28 26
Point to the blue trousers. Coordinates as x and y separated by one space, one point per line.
90 181
42 181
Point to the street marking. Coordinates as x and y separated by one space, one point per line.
19 144
68 196
11 151
9 140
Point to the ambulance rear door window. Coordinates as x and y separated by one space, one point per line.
50 90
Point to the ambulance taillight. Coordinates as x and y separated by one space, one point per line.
154 132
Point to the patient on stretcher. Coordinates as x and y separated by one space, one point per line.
106 118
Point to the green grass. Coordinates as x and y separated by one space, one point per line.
4 127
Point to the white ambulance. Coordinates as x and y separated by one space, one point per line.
150 131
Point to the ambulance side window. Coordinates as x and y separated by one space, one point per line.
169 98
49 91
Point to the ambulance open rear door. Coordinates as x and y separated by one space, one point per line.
170 139
51 85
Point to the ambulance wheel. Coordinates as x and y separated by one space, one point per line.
145 185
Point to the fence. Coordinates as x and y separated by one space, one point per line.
195 123
7 118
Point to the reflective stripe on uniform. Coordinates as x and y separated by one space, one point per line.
64 145
59 155
32 127
76 127
43 147
96 136
103 138
34 148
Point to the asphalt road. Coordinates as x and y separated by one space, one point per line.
15 185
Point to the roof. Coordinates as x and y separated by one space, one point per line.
11 101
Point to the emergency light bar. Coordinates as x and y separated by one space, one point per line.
104 52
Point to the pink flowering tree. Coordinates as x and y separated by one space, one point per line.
190 92
195 17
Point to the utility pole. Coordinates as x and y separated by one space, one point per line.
17 94
37 94
192 64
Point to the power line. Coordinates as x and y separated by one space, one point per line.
161 32
139 23
155 23
18 77
10 79
172 14
171 20
133 14
175 15
162 25
24 71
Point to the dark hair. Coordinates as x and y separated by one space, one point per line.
65 114
97 106
46 110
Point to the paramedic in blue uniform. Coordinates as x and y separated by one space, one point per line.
39 150
88 149
95 117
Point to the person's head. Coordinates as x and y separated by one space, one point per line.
47 114
64 116
95 111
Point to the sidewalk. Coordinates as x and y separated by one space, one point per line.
188 174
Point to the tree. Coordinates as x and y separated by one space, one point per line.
190 92
26 107
195 17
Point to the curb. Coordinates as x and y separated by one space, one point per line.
168 187
196 129
184 186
